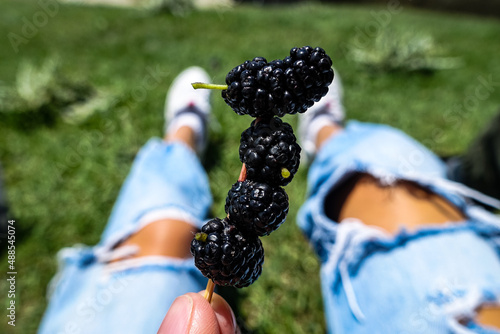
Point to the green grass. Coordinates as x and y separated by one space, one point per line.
62 179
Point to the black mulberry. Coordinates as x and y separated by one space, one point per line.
292 85
256 208
226 255
270 152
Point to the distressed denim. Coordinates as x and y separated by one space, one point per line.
427 281
419 282
91 295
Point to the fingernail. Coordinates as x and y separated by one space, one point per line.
178 316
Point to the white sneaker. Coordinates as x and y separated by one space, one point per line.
185 106
329 110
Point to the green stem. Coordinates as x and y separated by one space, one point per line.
197 85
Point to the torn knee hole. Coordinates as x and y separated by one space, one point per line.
485 315
119 253
170 238
488 315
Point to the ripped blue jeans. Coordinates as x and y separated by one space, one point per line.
91 295
427 281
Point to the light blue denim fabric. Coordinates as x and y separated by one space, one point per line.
413 282
90 295
163 176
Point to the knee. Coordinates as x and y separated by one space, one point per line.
168 237
488 315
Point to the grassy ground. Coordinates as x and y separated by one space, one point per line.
62 179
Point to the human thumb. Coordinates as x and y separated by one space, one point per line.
191 313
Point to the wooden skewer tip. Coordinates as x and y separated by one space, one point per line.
209 290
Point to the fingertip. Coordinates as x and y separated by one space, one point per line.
190 314
178 317
204 319
224 313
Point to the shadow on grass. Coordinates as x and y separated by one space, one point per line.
235 297
212 155
29 120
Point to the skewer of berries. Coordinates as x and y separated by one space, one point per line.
228 251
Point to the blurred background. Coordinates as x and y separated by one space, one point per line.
82 87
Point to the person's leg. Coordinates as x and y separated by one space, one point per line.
167 190
369 182
403 203
489 315
362 196
128 281
166 237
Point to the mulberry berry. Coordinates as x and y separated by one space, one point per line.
270 152
288 86
226 255
256 208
